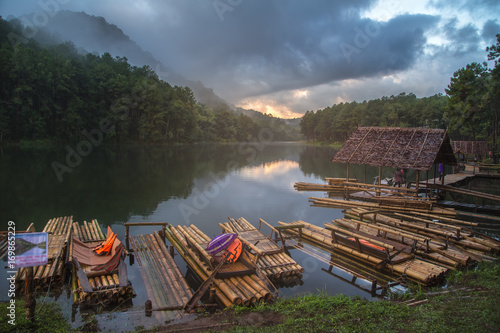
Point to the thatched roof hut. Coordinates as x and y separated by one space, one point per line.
396 147
470 147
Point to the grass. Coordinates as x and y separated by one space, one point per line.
463 310
49 319
471 305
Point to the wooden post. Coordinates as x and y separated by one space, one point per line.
379 179
149 308
126 237
346 187
364 175
417 182
28 294
442 178
427 184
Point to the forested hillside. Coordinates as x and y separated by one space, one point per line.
57 94
335 123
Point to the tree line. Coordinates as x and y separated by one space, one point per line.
58 93
337 122
470 110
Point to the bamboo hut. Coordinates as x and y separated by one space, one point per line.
395 147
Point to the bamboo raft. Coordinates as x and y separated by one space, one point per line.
385 256
53 273
270 258
166 286
90 287
240 283
385 205
451 238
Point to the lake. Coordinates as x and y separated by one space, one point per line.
198 184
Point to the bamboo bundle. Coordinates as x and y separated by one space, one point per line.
342 204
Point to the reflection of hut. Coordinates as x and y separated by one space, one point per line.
406 148
470 147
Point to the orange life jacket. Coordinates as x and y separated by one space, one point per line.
105 248
235 251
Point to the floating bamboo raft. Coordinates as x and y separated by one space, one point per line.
165 284
384 205
383 255
53 273
450 238
240 283
105 288
271 258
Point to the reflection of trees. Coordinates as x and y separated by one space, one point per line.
114 182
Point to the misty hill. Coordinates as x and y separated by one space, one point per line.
57 93
94 34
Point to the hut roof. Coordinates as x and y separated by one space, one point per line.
396 147
470 147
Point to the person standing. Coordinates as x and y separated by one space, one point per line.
440 169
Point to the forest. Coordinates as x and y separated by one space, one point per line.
57 93
469 111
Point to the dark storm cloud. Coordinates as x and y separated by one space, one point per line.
270 46
490 29
245 48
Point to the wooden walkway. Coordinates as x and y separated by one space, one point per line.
165 284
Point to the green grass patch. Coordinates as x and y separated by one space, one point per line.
471 306
48 318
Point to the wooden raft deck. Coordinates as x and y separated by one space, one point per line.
241 283
165 284
270 257
381 254
52 274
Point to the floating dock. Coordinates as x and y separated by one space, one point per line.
240 283
271 258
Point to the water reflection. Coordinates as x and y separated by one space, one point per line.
196 184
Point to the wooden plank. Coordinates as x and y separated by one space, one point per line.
84 280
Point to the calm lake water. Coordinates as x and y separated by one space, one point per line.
195 184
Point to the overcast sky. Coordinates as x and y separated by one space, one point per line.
286 57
